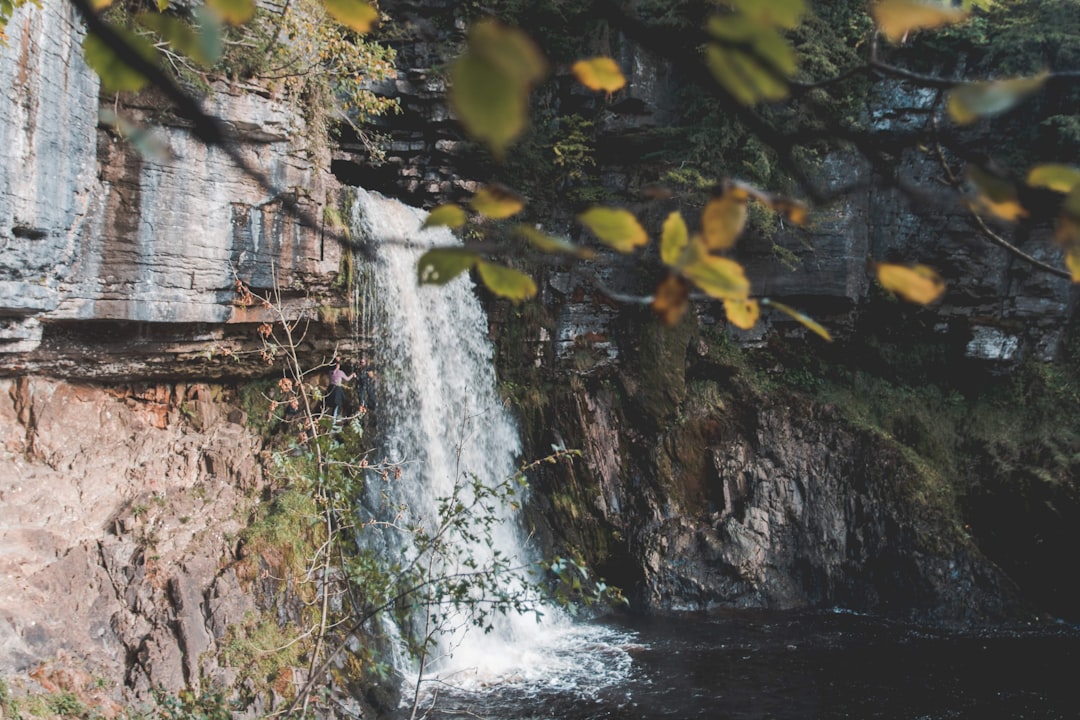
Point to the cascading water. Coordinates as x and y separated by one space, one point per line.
441 417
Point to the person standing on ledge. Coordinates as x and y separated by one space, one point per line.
336 395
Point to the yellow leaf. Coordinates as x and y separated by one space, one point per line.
506 282
718 277
723 220
449 215
99 5
357 15
917 283
1059 178
742 313
1067 232
497 202
971 101
896 18
441 265
615 227
674 239
233 12
546 243
671 299
806 321
996 195
600 73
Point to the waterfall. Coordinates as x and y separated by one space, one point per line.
439 414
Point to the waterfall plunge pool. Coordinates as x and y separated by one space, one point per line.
776 665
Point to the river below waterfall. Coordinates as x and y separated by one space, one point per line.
756 665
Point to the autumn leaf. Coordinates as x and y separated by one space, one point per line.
673 239
915 283
233 12
896 18
996 195
439 266
357 15
718 277
449 215
742 313
671 299
970 101
497 202
803 319
557 246
1059 178
506 282
600 73
723 220
1067 232
615 227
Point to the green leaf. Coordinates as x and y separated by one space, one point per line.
509 50
506 282
490 83
489 103
449 215
971 101
805 320
497 202
718 277
233 12
439 266
116 75
600 73
203 45
743 77
556 246
916 283
896 18
782 13
357 15
616 228
1059 178
673 239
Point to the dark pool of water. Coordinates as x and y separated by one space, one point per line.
753 665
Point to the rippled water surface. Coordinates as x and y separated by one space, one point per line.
758 665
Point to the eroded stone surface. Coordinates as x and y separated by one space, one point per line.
118 519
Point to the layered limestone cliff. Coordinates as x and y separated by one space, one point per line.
118 264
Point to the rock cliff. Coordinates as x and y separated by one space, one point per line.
128 470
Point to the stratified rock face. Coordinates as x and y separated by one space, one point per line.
119 524
94 231
771 504
48 120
